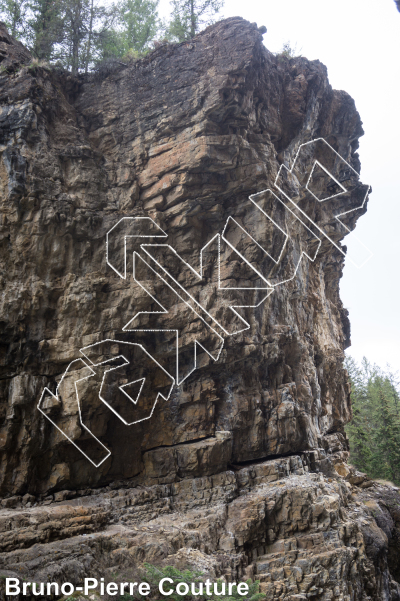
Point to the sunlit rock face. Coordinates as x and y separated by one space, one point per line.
183 137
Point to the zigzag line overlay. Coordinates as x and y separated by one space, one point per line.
145 228
283 168
89 365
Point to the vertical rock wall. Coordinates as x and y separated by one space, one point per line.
184 137
244 160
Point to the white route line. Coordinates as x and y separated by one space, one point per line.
327 173
85 348
56 396
164 310
135 219
255 241
337 217
200 276
303 253
161 234
92 367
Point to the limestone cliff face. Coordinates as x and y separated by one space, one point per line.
241 469
184 137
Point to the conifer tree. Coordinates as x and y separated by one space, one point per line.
136 24
189 16
358 427
374 431
84 23
14 13
75 28
139 20
386 459
46 27
78 34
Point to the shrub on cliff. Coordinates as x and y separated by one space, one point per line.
287 51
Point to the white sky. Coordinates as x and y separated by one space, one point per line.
359 42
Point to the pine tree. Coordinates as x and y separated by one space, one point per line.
14 13
189 16
386 460
89 42
135 26
374 432
84 23
100 22
75 28
46 27
139 20
358 429
393 383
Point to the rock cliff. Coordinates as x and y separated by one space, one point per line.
170 236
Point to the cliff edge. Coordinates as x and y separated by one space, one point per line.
172 338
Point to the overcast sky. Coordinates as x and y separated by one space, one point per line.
359 42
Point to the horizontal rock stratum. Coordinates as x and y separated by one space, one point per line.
226 331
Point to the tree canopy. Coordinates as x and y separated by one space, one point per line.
189 16
374 431
80 34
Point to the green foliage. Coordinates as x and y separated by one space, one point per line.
136 25
139 20
45 27
15 13
85 22
189 16
80 35
374 431
289 51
